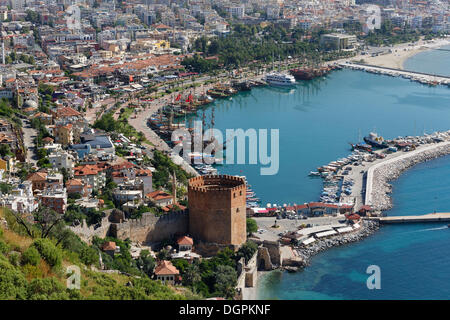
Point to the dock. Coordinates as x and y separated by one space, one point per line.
431 217
426 78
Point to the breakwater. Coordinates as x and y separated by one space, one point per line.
378 189
368 227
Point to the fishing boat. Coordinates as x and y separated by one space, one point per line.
359 146
375 141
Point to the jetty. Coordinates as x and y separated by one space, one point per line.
425 78
413 156
431 217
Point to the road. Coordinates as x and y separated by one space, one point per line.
28 139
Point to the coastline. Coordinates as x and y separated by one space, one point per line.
400 53
385 171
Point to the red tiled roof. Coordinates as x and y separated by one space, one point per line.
158 195
166 268
185 241
37 176
109 245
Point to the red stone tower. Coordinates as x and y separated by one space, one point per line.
217 209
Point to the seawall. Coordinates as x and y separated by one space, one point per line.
378 176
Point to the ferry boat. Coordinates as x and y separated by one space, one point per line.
279 79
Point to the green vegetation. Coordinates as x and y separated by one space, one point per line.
216 276
250 45
251 226
164 169
32 267
107 123
76 213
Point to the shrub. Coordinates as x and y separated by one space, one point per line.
4 247
14 258
47 288
12 282
31 256
48 251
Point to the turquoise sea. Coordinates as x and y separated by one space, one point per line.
316 121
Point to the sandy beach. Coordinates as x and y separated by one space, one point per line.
401 53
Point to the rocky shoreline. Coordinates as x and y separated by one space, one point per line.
381 188
368 228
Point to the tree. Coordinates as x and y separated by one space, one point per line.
163 254
146 262
247 250
225 280
191 275
47 219
5 150
251 226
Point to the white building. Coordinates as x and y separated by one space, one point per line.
21 199
62 159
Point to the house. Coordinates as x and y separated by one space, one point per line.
77 186
160 198
64 134
20 199
55 198
110 248
44 118
99 145
48 141
62 159
145 176
124 195
185 243
91 175
38 180
166 272
7 163
66 113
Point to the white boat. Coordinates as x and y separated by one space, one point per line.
279 79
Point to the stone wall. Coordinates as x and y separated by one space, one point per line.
151 229
87 233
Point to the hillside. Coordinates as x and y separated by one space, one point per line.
35 268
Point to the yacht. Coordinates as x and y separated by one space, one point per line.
279 79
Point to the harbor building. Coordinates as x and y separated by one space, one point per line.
217 212
336 41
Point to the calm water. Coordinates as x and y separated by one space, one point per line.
414 259
426 62
316 121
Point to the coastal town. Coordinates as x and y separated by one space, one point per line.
91 93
